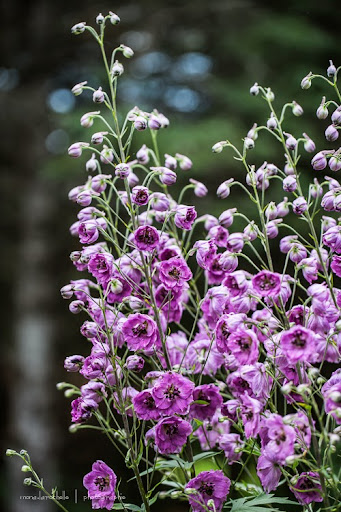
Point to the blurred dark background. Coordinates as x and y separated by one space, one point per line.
195 62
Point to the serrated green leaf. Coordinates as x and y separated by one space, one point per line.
254 504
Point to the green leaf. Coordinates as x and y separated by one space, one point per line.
205 455
250 504
126 506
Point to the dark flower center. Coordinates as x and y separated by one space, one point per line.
140 329
171 430
267 283
102 482
175 273
149 402
147 236
224 331
299 339
172 392
206 488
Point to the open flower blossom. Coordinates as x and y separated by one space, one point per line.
208 485
101 483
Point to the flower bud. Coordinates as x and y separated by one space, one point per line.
170 162
319 161
97 138
254 90
73 428
283 208
271 211
76 306
251 231
166 176
98 96
127 51
223 191
306 81
297 110
185 163
299 205
336 116
291 142
134 363
23 452
322 111
87 120
117 69
289 184
25 468
78 28
331 70
10 452
309 144
92 164
107 155
100 19
271 122
331 133
154 122
269 94
67 291
218 146
75 150
249 143
226 218
315 189
140 123
28 481
252 133
84 198
114 19
142 155
335 163
122 170
78 88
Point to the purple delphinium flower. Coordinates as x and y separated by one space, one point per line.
332 239
140 195
171 434
267 284
269 473
73 363
277 438
139 331
209 394
134 363
81 410
232 446
336 265
88 232
250 412
298 344
144 406
185 216
174 272
93 391
101 266
307 488
225 326
146 238
209 485
243 344
299 205
173 394
101 483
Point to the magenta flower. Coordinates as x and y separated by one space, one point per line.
88 232
146 238
171 434
232 446
209 485
81 410
298 344
101 483
211 398
243 345
332 239
140 195
277 438
269 473
173 394
250 412
144 406
174 272
267 284
140 332
185 216
307 488
73 363
336 265
101 266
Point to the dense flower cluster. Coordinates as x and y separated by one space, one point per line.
203 335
